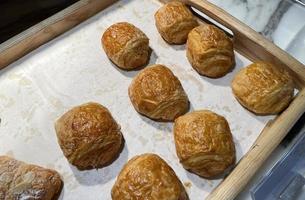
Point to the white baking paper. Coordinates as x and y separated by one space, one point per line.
73 69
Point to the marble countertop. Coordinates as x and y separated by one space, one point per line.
255 13
281 21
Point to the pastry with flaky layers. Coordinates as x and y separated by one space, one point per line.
19 180
158 94
263 88
126 45
174 21
148 177
210 51
204 143
89 136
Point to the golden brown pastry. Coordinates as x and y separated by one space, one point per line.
210 51
148 177
174 21
88 136
19 180
263 88
158 94
126 45
204 143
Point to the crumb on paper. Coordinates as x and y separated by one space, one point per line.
237 128
159 136
20 78
226 108
136 14
210 183
143 140
188 184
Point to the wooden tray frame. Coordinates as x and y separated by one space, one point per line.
246 41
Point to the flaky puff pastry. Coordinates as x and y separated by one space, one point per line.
88 136
158 94
126 45
210 51
174 21
148 177
204 143
19 180
263 88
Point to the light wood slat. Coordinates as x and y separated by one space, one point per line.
48 29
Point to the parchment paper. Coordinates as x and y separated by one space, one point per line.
73 69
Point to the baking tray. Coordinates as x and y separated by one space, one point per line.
72 69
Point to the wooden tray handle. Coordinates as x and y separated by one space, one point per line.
250 43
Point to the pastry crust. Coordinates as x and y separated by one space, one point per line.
174 21
263 88
88 136
210 51
126 45
19 180
158 94
148 177
204 143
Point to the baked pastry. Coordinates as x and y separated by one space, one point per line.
174 21
204 143
88 136
19 180
157 93
148 177
126 45
210 51
263 88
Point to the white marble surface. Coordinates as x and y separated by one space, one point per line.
289 26
290 34
281 21
255 13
